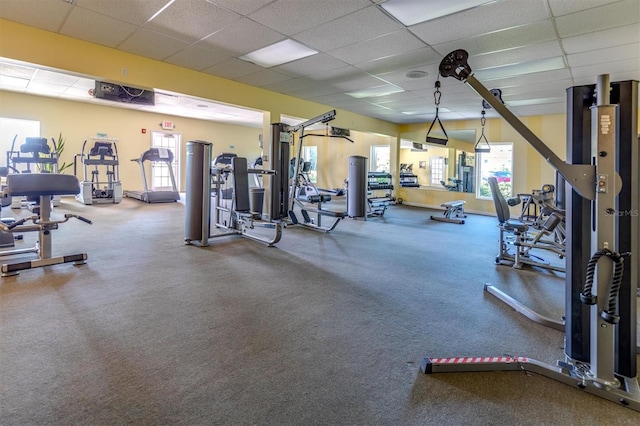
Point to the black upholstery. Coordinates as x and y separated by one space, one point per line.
35 146
41 184
502 208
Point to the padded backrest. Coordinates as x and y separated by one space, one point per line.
240 184
35 146
502 208
37 184
101 149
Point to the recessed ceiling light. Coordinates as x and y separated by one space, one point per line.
374 92
279 53
416 74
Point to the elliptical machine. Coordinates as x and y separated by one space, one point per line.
102 187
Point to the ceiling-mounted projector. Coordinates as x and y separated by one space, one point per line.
126 94
337 131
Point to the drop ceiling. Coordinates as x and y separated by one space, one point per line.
531 49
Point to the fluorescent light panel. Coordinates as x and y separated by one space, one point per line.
411 12
538 101
279 53
374 92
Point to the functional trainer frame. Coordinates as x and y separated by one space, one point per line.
203 181
607 370
283 196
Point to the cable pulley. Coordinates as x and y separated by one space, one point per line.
433 138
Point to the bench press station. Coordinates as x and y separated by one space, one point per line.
44 186
453 211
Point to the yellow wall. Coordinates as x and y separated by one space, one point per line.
80 121
24 43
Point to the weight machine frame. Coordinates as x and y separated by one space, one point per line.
283 197
205 181
600 345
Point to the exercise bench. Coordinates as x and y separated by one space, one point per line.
453 211
44 186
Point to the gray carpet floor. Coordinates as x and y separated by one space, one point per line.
323 329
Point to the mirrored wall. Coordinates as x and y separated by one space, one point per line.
438 167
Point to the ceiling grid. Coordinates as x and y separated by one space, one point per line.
531 49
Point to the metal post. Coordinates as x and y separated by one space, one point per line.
603 124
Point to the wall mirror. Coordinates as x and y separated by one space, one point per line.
431 166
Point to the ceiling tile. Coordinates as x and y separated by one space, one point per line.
612 15
518 55
610 54
359 82
546 109
292 85
198 58
16 70
412 58
192 20
233 68
349 29
311 65
399 78
612 68
602 39
46 15
481 20
294 16
103 30
134 12
314 91
378 47
543 78
152 45
263 78
242 7
563 7
538 32
45 76
360 47
243 36
334 98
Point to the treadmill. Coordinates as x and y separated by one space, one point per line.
155 155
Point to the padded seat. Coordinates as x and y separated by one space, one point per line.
41 184
515 225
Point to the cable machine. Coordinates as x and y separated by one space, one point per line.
602 195
283 196
235 218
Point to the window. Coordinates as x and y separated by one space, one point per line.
12 127
160 178
437 169
380 158
499 164
310 154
